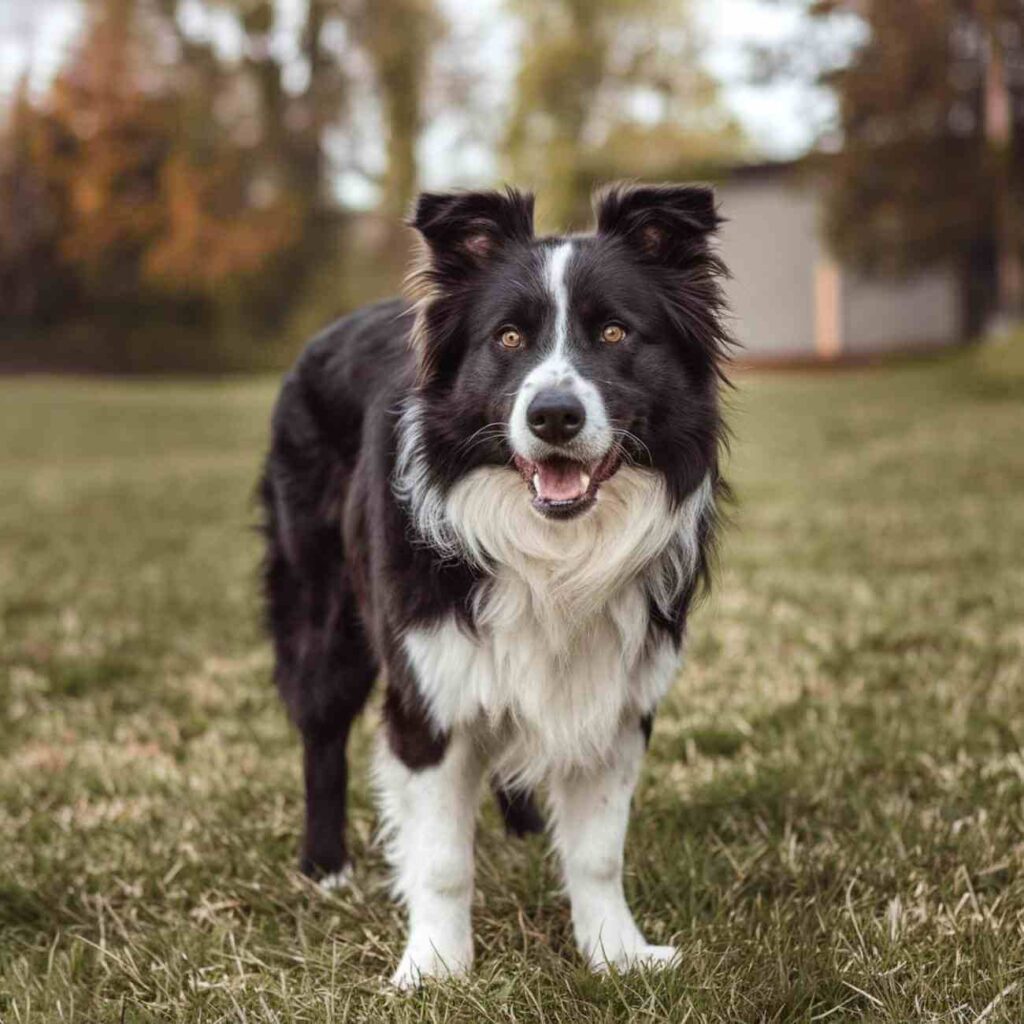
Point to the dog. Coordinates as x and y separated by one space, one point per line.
501 494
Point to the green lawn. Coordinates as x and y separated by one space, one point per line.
831 823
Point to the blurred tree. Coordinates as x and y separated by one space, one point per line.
109 133
931 121
169 175
181 168
248 185
30 270
399 38
168 179
611 88
293 122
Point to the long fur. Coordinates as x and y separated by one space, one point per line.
522 583
560 652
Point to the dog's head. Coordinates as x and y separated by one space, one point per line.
563 357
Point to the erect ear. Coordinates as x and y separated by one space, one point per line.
470 227
462 232
663 224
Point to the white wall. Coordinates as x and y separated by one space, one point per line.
771 245
879 314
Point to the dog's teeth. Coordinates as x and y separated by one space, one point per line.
536 482
585 481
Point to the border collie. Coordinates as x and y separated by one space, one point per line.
500 496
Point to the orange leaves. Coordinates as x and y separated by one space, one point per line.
215 233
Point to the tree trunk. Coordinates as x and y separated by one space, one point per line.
999 131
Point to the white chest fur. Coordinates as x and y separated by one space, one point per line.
562 652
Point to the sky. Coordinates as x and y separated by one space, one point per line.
781 120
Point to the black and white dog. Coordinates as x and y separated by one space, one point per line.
501 496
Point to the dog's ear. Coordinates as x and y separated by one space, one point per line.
663 224
668 229
466 229
462 233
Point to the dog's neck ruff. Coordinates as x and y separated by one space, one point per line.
571 568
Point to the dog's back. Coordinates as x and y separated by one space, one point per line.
324 663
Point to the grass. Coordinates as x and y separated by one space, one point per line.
831 822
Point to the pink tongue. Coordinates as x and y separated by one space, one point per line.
558 481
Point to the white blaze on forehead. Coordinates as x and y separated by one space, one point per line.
557 263
556 369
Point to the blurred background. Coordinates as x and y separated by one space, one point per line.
830 820
201 184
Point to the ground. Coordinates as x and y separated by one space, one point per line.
830 824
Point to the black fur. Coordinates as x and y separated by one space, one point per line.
345 572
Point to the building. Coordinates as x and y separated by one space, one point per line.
793 302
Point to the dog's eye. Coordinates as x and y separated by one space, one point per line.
613 333
510 337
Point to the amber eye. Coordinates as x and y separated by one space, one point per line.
510 337
613 333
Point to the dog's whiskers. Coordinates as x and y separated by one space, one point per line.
622 434
486 433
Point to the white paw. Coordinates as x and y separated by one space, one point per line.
337 880
653 958
639 957
422 961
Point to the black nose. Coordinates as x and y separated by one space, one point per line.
556 415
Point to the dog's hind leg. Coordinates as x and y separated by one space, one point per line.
325 769
519 810
335 680
344 671
339 673
324 665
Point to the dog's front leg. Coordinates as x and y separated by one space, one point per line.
591 813
429 818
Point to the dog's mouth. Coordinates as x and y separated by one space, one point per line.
563 488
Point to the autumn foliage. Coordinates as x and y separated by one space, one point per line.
175 195
149 186
173 200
